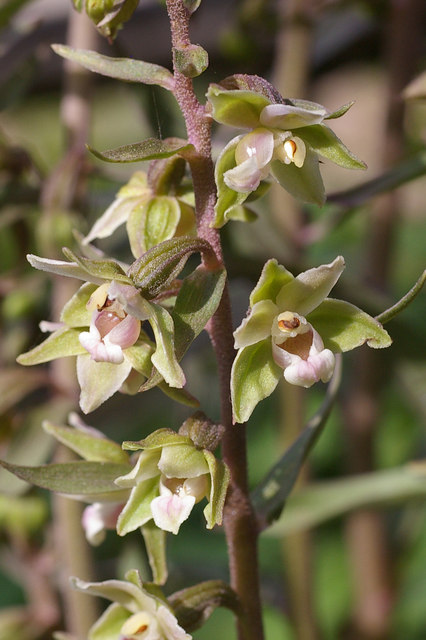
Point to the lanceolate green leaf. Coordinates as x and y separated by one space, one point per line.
149 149
86 479
323 501
254 377
271 494
120 68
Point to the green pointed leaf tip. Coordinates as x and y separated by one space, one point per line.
150 149
191 60
74 478
120 68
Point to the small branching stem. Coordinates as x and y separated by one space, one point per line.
239 518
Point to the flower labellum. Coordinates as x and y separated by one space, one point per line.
111 329
176 500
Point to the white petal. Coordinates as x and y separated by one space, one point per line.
259 145
169 511
98 349
244 178
306 372
97 517
169 625
285 116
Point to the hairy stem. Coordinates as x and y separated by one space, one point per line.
239 518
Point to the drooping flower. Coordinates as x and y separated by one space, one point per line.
286 139
170 476
102 325
135 614
294 330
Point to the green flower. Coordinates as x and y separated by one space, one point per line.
286 139
170 476
294 329
135 613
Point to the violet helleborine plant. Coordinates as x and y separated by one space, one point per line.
130 325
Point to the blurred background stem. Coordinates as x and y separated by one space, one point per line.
61 192
365 530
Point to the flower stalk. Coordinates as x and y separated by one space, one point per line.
239 518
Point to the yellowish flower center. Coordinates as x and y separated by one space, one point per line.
135 625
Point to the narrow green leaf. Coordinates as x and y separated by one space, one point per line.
149 149
270 495
86 479
254 377
88 446
119 68
59 344
321 502
155 543
325 142
343 326
194 605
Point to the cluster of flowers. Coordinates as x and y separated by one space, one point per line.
292 329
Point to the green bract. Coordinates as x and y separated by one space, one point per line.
286 139
293 326
170 476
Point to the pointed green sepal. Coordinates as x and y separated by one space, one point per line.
102 270
59 344
326 144
254 377
343 326
304 183
272 279
228 200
